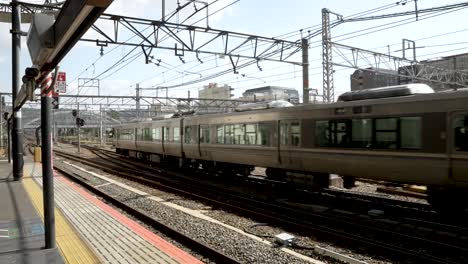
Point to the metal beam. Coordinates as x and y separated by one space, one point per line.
409 70
230 43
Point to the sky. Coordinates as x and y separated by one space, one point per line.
436 35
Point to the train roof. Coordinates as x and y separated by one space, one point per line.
385 92
415 97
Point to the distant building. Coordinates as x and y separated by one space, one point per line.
213 91
271 93
365 79
362 79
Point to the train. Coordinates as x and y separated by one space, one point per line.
405 134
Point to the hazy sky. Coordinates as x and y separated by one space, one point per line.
268 18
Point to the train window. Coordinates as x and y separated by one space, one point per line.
190 135
229 134
263 135
220 134
290 133
204 134
410 132
176 134
147 134
460 126
283 133
251 134
239 134
137 134
339 133
361 133
166 133
187 134
295 133
156 134
386 133
127 134
321 133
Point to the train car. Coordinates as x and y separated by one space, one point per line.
402 134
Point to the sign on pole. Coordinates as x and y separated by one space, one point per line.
61 84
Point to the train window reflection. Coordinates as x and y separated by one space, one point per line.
295 133
322 135
176 134
229 134
461 133
166 134
239 134
263 135
187 134
381 133
386 133
220 135
290 133
283 133
361 132
147 134
205 134
250 134
410 129
156 134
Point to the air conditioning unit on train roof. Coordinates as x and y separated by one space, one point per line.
385 92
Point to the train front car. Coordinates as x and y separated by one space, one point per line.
401 134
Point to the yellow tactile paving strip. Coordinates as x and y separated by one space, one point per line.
73 249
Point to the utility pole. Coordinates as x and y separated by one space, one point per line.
47 170
305 71
17 131
188 100
78 128
327 57
2 101
54 124
137 89
9 140
100 124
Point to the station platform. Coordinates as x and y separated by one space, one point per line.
87 229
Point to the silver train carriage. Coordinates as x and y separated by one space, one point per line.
399 134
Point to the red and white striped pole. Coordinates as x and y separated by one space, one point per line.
47 163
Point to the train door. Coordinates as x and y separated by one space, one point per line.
289 140
163 139
459 147
181 138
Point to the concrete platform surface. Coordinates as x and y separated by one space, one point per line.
21 227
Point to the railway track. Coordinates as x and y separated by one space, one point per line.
333 198
341 228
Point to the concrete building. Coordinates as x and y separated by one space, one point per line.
362 79
213 91
271 93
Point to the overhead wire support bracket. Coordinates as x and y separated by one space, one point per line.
234 65
198 58
233 43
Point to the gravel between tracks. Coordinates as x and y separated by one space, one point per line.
371 189
229 242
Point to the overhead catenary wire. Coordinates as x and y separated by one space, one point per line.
319 25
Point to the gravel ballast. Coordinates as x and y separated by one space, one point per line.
224 240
